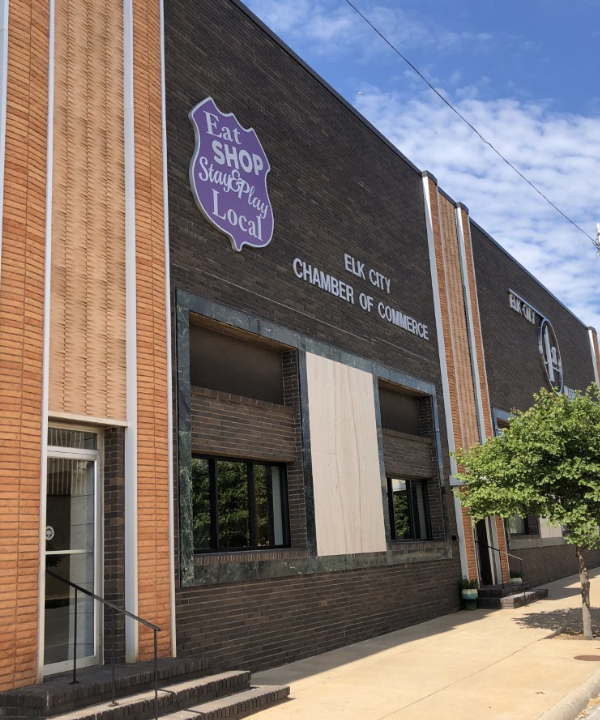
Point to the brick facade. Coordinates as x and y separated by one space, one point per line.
337 188
21 339
264 624
511 343
306 130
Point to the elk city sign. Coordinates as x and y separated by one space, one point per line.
547 341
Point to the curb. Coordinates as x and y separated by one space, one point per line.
574 702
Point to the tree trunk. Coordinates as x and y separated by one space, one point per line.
584 578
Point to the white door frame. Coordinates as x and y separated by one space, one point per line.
95 456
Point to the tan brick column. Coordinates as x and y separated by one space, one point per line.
21 338
154 576
481 380
468 396
449 295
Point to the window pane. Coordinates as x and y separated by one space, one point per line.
269 502
201 503
516 525
79 440
234 515
401 517
70 505
59 626
419 511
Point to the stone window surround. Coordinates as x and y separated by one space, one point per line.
246 566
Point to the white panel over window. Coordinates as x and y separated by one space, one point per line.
345 459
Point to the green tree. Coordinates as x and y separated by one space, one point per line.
546 463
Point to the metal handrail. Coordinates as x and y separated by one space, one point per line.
114 609
491 547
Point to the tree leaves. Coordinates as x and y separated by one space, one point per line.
546 463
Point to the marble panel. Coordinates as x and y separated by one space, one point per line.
345 459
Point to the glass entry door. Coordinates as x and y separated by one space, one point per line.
71 546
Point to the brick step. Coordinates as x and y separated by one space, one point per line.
497 591
56 695
513 601
236 706
171 698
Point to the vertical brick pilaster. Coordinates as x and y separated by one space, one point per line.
114 540
21 338
445 289
472 289
295 474
481 380
154 576
446 326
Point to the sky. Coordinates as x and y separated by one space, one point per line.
524 72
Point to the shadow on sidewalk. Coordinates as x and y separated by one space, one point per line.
559 621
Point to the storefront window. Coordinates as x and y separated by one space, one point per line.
409 512
518 525
238 505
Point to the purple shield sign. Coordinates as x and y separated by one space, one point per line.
228 175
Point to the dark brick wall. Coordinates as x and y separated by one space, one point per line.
514 367
544 564
224 424
264 624
114 541
407 455
512 358
335 188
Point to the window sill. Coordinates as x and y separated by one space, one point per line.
248 556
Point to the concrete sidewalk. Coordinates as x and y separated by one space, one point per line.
487 664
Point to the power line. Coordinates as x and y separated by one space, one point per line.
464 119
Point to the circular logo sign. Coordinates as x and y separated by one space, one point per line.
550 354
49 533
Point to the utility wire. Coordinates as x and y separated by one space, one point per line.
464 119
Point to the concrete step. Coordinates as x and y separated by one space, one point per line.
56 695
171 698
236 706
502 590
514 600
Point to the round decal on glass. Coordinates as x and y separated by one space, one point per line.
550 354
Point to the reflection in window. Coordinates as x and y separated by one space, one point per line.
269 505
77 439
238 505
233 504
409 513
201 503
518 525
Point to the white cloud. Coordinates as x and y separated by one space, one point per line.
560 153
331 26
